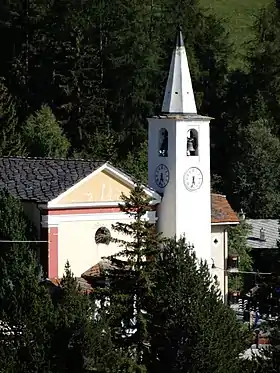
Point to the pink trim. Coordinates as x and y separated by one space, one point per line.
53 252
74 210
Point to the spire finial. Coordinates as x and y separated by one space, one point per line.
179 37
179 96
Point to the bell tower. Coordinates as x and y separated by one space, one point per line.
179 160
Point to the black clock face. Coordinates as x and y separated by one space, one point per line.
162 175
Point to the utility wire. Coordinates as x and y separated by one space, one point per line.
14 241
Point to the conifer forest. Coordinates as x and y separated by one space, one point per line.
78 79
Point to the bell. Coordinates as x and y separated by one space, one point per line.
190 147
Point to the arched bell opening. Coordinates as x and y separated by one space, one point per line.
163 143
192 142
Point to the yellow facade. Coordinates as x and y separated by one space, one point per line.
101 187
76 242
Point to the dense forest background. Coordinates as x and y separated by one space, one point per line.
80 77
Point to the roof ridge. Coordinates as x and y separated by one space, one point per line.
219 194
53 159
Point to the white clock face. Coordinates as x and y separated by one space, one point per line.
193 179
162 175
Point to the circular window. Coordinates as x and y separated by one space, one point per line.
103 235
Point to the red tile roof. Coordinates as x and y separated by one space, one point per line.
98 269
221 211
82 283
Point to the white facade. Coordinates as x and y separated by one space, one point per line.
180 175
219 256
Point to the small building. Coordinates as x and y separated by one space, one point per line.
262 240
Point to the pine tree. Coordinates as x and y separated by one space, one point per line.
136 164
25 306
237 245
44 136
10 138
252 179
265 52
42 330
129 282
192 330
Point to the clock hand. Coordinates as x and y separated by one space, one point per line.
193 181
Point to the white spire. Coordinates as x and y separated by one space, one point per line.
178 96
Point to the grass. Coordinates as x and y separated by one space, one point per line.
238 17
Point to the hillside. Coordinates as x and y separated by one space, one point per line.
238 17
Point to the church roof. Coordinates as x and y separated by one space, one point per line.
41 180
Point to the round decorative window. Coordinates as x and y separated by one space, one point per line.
103 236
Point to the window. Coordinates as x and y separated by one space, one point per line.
192 142
103 236
163 143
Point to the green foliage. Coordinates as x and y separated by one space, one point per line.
130 284
25 307
192 330
43 135
136 163
10 140
265 52
255 174
44 328
104 66
238 18
237 245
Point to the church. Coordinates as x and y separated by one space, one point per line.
74 203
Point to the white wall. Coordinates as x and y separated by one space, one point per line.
219 256
76 238
183 212
76 243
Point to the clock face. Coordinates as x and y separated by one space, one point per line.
162 175
193 179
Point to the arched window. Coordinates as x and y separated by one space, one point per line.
103 236
192 142
163 143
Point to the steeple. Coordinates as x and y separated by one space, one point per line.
179 96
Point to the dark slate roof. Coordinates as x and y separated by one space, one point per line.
271 231
41 180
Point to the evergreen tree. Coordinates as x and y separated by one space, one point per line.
136 163
237 245
10 139
42 330
43 135
253 178
192 330
82 340
129 282
25 307
265 52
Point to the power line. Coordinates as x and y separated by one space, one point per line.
15 241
